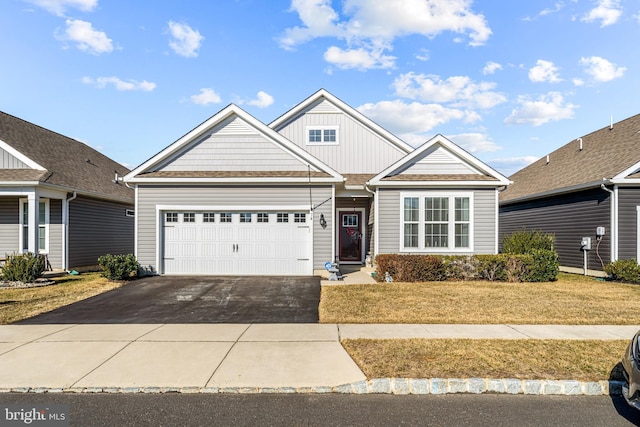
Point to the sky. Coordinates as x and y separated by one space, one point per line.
509 81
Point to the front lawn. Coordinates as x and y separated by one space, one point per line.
22 303
572 300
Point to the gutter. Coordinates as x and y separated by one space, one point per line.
65 233
614 218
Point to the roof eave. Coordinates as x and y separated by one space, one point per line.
557 191
239 180
437 184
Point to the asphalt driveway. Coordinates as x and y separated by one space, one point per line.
195 299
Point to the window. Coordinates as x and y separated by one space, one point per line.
208 217
263 217
171 217
245 217
436 222
43 225
350 220
322 135
299 217
189 217
282 217
225 217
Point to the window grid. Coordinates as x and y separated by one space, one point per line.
263 217
436 229
225 217
411 218
189 217
209 217
171 217
299 217
245 217
282 217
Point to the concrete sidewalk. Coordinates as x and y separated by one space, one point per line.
219 357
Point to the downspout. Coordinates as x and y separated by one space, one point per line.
65 234
375 222
614 222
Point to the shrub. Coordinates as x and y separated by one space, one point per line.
460 267
410 268
545 266
25 267
523 242
119 267
493 267
624 270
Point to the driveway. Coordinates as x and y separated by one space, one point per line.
196 299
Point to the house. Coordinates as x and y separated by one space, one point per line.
321 183
590 188
60 198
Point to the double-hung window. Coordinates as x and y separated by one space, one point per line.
436 222
43 225
322 135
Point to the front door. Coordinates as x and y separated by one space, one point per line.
350 237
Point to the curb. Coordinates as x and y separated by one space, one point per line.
396 386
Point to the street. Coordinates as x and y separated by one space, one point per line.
334 409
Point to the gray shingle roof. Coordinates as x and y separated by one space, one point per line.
605 153
69 163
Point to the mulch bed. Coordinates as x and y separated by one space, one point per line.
38 282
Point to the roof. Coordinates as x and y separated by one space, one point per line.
66 162
606 154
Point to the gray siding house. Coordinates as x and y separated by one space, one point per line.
60 198
322 183
590 182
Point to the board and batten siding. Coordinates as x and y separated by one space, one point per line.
9 161
98 227
628 201
484 221
9 225
359 149
149 196
569 217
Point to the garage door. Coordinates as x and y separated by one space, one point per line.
237 243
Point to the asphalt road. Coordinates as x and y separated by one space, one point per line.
198 299
335 410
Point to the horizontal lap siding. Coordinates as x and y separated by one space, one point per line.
245 196
97 228
629 199
569 217
484 211
9 228
55 233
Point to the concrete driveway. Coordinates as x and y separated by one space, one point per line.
196 299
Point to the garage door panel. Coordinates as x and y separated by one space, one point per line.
214 247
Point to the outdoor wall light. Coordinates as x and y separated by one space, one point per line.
323 222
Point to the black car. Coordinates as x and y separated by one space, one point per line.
631 365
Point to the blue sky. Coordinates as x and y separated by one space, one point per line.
509 81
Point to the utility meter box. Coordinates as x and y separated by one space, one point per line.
599 231
585 244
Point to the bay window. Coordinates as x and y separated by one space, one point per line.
436 222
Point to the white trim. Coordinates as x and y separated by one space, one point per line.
234 208
18 155
496 246
432 184
250 180
322 128
363 227
34 213
629 171
637 232
376 224
450 224
614 226
334 244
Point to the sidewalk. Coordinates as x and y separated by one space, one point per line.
231 357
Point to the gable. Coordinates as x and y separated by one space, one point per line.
9 161
360 146
438 161
232 145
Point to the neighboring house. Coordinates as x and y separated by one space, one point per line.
60 197
591 182
320 183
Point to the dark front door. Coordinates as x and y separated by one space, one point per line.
350 236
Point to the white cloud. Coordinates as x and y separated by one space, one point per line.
205 97
608 12
544 71
372 25
510 165
601 69
423 55
459 91
550 107
185 41
59 7
121 85
263 100
361 59
402 118
491 67
475 142
87 38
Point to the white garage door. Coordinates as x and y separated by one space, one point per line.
237 243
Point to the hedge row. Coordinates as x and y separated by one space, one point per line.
539 266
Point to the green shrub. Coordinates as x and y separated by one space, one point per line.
545 266
25 267
410 268
523 242
460 267
624 270
492 267
119 267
